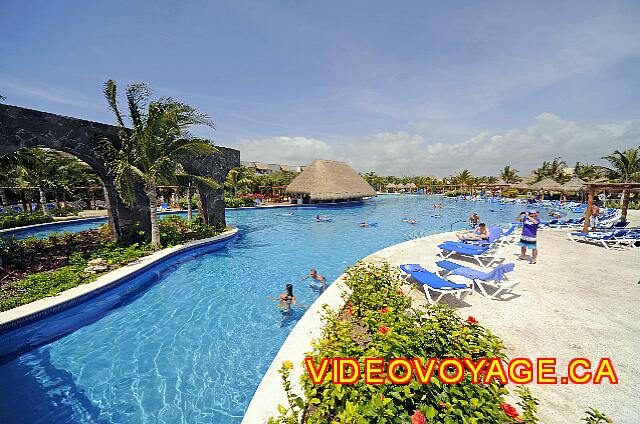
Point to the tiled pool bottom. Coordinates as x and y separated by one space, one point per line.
193 347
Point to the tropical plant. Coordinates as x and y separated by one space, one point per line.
624 166
509 175
587 172
152 150
553 170
463 178
238 179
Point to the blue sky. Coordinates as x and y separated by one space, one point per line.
413 87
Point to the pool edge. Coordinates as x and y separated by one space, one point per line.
43 308
270 393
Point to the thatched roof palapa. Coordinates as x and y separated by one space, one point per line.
411 185
547 184
574 184
330 180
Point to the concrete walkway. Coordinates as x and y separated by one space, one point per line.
579 300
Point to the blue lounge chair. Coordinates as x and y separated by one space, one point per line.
602 238
432 282
476 253
615 226
495 278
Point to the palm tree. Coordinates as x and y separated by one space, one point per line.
238 179
587 172
553 170
12 167
509 175
157 143
625 168
464 178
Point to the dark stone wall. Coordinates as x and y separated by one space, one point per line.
21 127
216 167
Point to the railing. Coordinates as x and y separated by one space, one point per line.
455 222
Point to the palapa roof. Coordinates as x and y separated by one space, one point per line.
330 180
547 184
391 185
574 184
261 166
411 185
500 182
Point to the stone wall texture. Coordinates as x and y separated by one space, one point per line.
21 127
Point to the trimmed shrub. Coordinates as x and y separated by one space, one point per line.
21 219
238 202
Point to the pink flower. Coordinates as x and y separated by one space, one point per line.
418 418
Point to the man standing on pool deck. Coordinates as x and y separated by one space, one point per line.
313 274
528 239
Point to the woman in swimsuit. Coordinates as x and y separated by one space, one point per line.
286 299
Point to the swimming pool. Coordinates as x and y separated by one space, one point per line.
72 226
192 344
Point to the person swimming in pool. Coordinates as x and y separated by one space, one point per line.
322 218
409 221
315 277
286 300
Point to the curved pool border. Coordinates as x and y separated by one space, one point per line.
269 394
48 306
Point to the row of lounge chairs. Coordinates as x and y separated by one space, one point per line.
460 280
622 238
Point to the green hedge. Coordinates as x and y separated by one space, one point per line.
238 202
21 219
456 193
378 321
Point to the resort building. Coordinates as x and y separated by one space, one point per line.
260 168
328 181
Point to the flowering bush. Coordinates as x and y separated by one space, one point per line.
378 321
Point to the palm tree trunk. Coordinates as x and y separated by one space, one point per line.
189 206
23 199
43 201
3 197
625 205
153 215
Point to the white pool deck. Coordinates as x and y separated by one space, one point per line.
579 300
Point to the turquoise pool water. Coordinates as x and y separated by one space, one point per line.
72 226
192 342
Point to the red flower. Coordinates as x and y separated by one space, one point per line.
509 410
383 330
400 292
472 320
350 311
381 397
418 418
384 310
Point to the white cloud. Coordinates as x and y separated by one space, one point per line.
286 150
403 153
